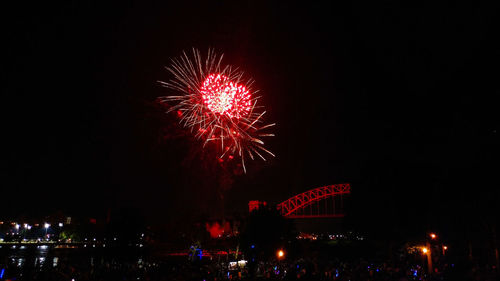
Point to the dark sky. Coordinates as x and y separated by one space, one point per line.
397 100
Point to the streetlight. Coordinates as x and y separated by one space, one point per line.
46 225
280 254
444 249
433 236
26 228
427 252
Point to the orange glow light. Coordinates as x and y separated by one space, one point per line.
280 253
424 250
433 236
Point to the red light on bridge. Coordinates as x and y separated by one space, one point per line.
295 206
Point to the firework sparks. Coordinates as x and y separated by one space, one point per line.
225 97
217 105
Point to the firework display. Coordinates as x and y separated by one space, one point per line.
217 105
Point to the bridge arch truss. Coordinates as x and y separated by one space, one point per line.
321 202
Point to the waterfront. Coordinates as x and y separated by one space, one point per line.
71 263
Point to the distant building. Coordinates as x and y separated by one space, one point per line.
255 205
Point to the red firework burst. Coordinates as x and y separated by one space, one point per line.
217 105
225 97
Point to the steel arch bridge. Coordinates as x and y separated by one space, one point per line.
321 202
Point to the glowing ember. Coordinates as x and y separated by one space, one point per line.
223 96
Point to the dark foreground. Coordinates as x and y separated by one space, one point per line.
38 263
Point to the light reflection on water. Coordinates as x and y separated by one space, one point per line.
18 256
30 260
44 257
53 260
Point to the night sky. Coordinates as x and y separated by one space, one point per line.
397 100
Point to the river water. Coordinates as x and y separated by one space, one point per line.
23 262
